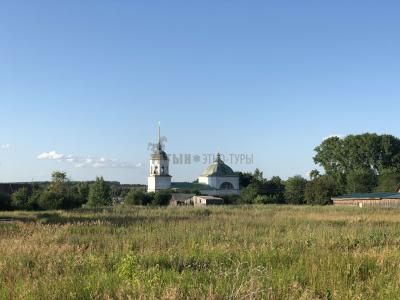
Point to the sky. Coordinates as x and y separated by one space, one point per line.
83 84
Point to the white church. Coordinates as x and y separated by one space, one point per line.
217 180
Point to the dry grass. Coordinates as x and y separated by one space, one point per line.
253 252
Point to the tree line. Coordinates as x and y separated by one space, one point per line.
355 164
361 163
61 193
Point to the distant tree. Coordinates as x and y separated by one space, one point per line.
5 201
59 176
321 190
81 193
258 175
245 178
361 181
388 181
99 194
161 198
20 199
58 194
295 190
275 188
137 197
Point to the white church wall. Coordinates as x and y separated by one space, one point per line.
216 182
158 183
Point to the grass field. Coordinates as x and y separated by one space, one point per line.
259 252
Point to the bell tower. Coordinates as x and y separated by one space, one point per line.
159 178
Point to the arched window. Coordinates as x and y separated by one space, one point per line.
162 170
227 186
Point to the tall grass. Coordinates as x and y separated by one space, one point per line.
244 252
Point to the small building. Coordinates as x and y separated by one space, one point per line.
118 200
372 199
180 199
219 179
206 200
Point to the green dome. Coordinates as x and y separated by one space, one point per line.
218 168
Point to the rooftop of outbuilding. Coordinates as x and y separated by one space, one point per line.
387 195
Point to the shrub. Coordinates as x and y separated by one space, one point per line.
53 200
20 199
161 198
137 197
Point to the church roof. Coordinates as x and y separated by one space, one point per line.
218 168
159 153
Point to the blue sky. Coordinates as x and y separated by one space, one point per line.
89 80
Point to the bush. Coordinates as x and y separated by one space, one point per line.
231 199
249 194
137 197
161 198
20 199
261 199
49 200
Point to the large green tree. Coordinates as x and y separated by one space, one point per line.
359 152
361 181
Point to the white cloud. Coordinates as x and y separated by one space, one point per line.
51 155
88 162
5 146
340 136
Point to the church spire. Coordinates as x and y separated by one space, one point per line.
159 136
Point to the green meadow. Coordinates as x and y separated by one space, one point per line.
231 252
